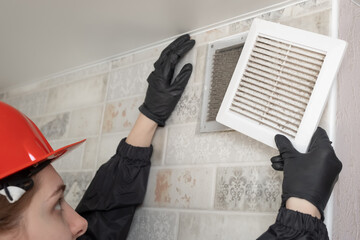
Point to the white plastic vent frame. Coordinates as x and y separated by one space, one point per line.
281 83
237 39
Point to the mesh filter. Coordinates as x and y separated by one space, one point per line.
277 84
224 63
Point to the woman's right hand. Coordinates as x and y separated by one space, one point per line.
310 176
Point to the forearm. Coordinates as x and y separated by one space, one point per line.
143 132
302 206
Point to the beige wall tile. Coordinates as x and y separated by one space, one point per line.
90 153
32 104
253 188
318 22
101 68
129 81
108 146
153 225
85 122
180 188
246 227
121 115
71 160
158 143
77 94
186 145
217 226
76 184
198 226
55 126
188 108
200 66
211 35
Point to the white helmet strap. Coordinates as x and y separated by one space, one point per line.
12 193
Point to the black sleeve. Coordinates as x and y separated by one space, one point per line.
118 187
295 225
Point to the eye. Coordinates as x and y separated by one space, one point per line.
58 204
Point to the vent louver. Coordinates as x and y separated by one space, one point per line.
281 83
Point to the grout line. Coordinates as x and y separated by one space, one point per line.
177 226
213 193
101 123
217 165
210 211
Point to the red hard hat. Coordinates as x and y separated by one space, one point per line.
22 144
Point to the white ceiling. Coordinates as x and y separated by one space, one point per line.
43 37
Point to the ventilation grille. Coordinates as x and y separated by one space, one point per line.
224 63
281 83
277 84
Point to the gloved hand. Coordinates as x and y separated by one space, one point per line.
310 176
163 94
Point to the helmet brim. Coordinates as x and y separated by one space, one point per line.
53 155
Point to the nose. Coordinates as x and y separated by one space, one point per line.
78 225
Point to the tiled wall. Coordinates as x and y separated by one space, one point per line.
201 185
347 192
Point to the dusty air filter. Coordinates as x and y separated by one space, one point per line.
222 57
281 83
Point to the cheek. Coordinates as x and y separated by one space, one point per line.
45 225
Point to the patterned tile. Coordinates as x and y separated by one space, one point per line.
129 81
246 227
3 96
77 94
254 188
90 153
71 160
122 61
151 53
153 225
53 127
85 122
188 108
198 226
121 115
183 188
108 146
158 143
211 35
103 67
109 143
76 184
200 64
24 89
215 226
186 145
32 104
317 22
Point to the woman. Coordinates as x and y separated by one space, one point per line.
32 204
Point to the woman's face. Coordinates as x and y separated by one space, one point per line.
48 215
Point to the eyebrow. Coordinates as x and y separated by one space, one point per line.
59 189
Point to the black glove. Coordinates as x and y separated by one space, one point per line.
163 94
310 176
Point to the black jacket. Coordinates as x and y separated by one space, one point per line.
294 225
118 187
